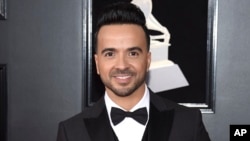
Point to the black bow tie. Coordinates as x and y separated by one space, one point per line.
140 115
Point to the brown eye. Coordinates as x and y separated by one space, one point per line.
133 53
109 54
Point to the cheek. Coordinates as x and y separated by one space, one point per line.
139 66
103 68
146 61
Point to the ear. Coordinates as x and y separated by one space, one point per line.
148 60
96 63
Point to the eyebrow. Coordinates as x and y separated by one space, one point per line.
107 49
113 49
135 48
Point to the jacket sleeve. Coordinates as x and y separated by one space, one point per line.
61 135
201 133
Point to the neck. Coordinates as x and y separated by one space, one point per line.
128 102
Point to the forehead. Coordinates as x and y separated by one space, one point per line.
117 28
122 34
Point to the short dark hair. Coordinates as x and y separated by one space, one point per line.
122 13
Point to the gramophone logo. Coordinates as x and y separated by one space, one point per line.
164 74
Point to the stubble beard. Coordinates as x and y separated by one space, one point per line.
125 89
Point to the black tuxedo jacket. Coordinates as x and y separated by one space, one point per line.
168 122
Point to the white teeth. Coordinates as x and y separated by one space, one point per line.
123 77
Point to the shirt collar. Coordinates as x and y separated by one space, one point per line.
144 102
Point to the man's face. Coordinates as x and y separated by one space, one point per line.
122 59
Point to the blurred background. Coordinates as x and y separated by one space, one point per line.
41 45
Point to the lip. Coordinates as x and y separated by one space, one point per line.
123 79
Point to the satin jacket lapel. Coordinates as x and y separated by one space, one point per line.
97 123
161 119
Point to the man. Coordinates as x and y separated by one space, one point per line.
122 61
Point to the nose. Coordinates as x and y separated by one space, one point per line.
121 62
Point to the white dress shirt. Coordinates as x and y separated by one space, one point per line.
129 129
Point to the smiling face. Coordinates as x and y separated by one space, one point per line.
122 59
